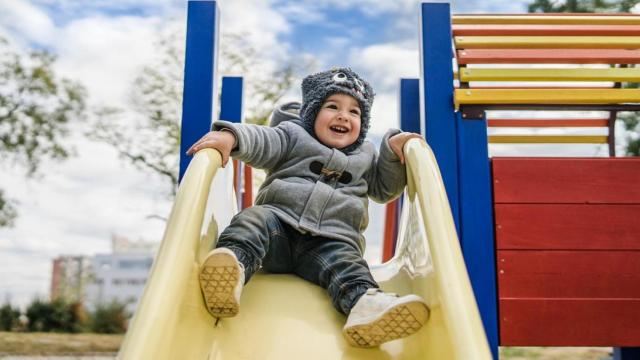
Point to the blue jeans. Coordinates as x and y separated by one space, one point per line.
258 238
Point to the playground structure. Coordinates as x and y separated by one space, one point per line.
550 244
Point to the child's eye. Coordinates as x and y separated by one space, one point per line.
355 112
331 106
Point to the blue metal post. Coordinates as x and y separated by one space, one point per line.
410 105
436 106
231 98
199 97
461 151
626 353
476 215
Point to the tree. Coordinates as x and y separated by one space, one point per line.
9 317
150 139
630 121
36 110
111 318
57 315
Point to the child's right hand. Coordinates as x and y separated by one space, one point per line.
223 141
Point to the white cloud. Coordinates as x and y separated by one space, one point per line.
26 22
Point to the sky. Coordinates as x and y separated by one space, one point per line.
77 205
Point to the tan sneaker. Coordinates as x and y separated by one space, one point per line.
379 317
221 280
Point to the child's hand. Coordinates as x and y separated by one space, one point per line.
223 141
396 143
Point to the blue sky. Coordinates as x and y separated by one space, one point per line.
103 43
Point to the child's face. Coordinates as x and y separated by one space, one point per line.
338 122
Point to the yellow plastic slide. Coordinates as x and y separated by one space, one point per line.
284 317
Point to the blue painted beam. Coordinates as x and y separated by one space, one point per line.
410 105
231 99
436 106
199 97
476 215
628 353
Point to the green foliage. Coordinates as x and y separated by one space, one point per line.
36 110
9 317
150 137
8 211
57 316
573 6
111 318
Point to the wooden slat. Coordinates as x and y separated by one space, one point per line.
547 139
569 274
546 96
553 19
569 322
537 123
548 56
567 226
582 74
566 180
547 42
545 30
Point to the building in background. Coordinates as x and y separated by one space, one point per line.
70 277
117 276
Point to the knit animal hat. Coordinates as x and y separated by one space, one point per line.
317 87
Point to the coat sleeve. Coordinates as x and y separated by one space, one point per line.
387 177
259 146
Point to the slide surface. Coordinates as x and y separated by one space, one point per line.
284 317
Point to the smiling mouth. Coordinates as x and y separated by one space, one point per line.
339 129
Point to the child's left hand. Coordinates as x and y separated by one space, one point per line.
396 143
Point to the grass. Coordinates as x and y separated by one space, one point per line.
18 343
556 353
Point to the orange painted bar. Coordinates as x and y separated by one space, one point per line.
569 322
545 30
567 226
548 56
548 123
247 195
569 274
389 230
566 180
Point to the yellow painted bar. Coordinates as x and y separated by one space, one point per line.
541 19
547 139
546 96
284 317
527 74
546 42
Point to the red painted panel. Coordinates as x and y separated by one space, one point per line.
569 274
566 180
548 56
567 226
569 322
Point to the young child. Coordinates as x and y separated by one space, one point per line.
311 211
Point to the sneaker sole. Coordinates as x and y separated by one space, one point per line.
218 278
397 322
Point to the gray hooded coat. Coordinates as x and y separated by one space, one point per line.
315 188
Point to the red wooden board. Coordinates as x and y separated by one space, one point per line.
566 180
571 322
548 56
545 30
567 226
569 274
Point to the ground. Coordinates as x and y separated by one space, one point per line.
14 343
